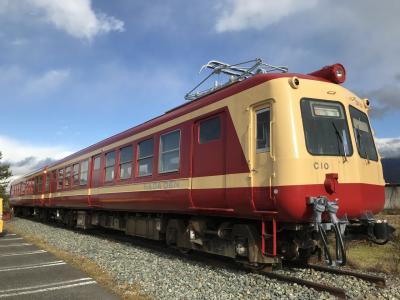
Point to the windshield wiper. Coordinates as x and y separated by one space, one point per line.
340 139
365 149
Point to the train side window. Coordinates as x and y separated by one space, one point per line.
210 130
84 172
60 179
125 162
75 171
145 158
53 181
96 163
169 151
67 176
110 166
47 186
39 184
363 134
263 118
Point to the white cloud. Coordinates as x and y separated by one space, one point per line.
388 99
388 147
257 14
25 158
18 83
75 17
48 82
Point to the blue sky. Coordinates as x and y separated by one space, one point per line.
75 72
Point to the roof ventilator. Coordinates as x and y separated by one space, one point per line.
236 72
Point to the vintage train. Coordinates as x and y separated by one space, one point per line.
266 167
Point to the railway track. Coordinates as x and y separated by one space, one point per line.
378 280
338 292
288 276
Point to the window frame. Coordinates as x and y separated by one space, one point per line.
257 111
53 181
75 183
87 172
138 159
47 185
106 167
94 158
160 152
370 132
120 163
39 179
346 121
66 180
200 122
58 178
96 177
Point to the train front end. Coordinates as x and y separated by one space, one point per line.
329 173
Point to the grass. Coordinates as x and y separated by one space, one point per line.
371 257
125 291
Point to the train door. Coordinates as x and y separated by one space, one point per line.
95 180
262 156
208 162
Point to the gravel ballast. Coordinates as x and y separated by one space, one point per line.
167 276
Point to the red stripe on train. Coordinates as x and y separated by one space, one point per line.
290 201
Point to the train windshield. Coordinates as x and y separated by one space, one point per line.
363 135
325 128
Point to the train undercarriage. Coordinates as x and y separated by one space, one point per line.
252 243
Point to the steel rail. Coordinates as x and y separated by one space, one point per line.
378 280
338 292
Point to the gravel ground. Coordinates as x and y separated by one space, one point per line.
166 276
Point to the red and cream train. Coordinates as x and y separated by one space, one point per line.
259 169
